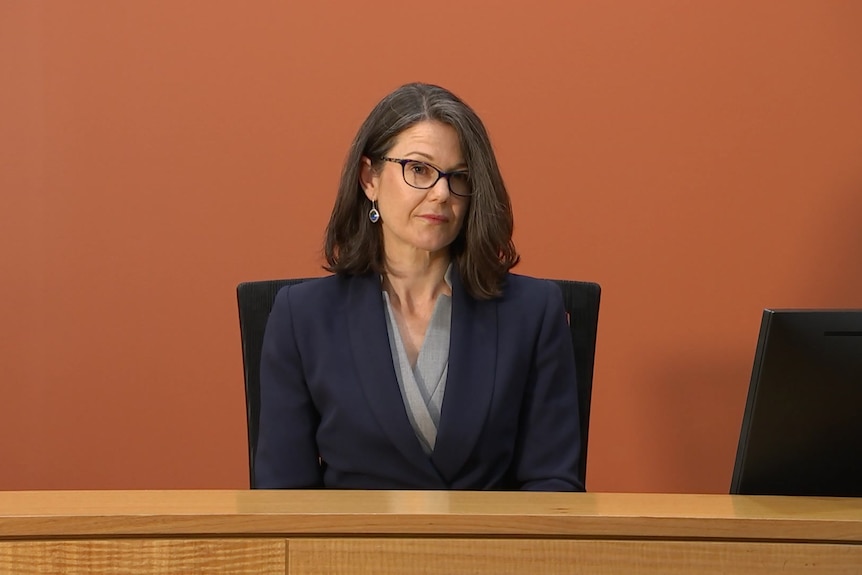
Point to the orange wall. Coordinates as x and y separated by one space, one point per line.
701 160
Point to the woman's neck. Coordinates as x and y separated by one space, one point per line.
416 283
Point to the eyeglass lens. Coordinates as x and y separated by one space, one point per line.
421 175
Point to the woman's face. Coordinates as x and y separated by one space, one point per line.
416 220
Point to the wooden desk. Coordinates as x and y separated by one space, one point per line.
398 532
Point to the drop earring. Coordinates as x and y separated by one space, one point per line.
373 214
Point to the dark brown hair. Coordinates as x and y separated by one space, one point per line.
483 250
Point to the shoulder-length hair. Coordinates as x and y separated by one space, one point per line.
483 251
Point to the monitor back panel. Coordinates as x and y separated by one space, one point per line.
802 429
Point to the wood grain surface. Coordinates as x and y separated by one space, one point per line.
157 556
558 557
359 513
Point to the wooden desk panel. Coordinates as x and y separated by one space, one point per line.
395 556
159 556
404 532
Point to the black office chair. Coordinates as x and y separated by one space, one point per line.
255 300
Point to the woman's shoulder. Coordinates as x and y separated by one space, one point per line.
307 291
517 285
328 292
527 301
529 292
309 300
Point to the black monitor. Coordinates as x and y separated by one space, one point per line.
802 428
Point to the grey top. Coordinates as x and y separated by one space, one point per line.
422 386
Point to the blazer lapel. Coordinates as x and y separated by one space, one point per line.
366 324
470 381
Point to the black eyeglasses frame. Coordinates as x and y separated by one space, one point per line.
440 174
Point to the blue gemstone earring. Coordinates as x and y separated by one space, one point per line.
373 214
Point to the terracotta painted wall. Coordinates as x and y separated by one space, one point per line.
701 160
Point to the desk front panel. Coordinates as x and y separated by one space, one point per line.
429 533
425 556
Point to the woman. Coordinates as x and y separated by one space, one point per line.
422 363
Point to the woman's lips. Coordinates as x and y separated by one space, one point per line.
435 218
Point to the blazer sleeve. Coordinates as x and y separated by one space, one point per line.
549 445
286 454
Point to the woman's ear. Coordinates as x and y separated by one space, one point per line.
368 178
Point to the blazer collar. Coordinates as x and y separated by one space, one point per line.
372 356
470 380
469 383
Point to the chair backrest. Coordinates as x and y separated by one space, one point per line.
255 300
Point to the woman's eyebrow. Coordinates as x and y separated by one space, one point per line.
458 167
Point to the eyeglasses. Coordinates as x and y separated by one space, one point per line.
424 176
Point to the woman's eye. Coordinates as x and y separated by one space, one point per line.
420 169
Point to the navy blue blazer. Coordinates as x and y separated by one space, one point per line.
332 414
